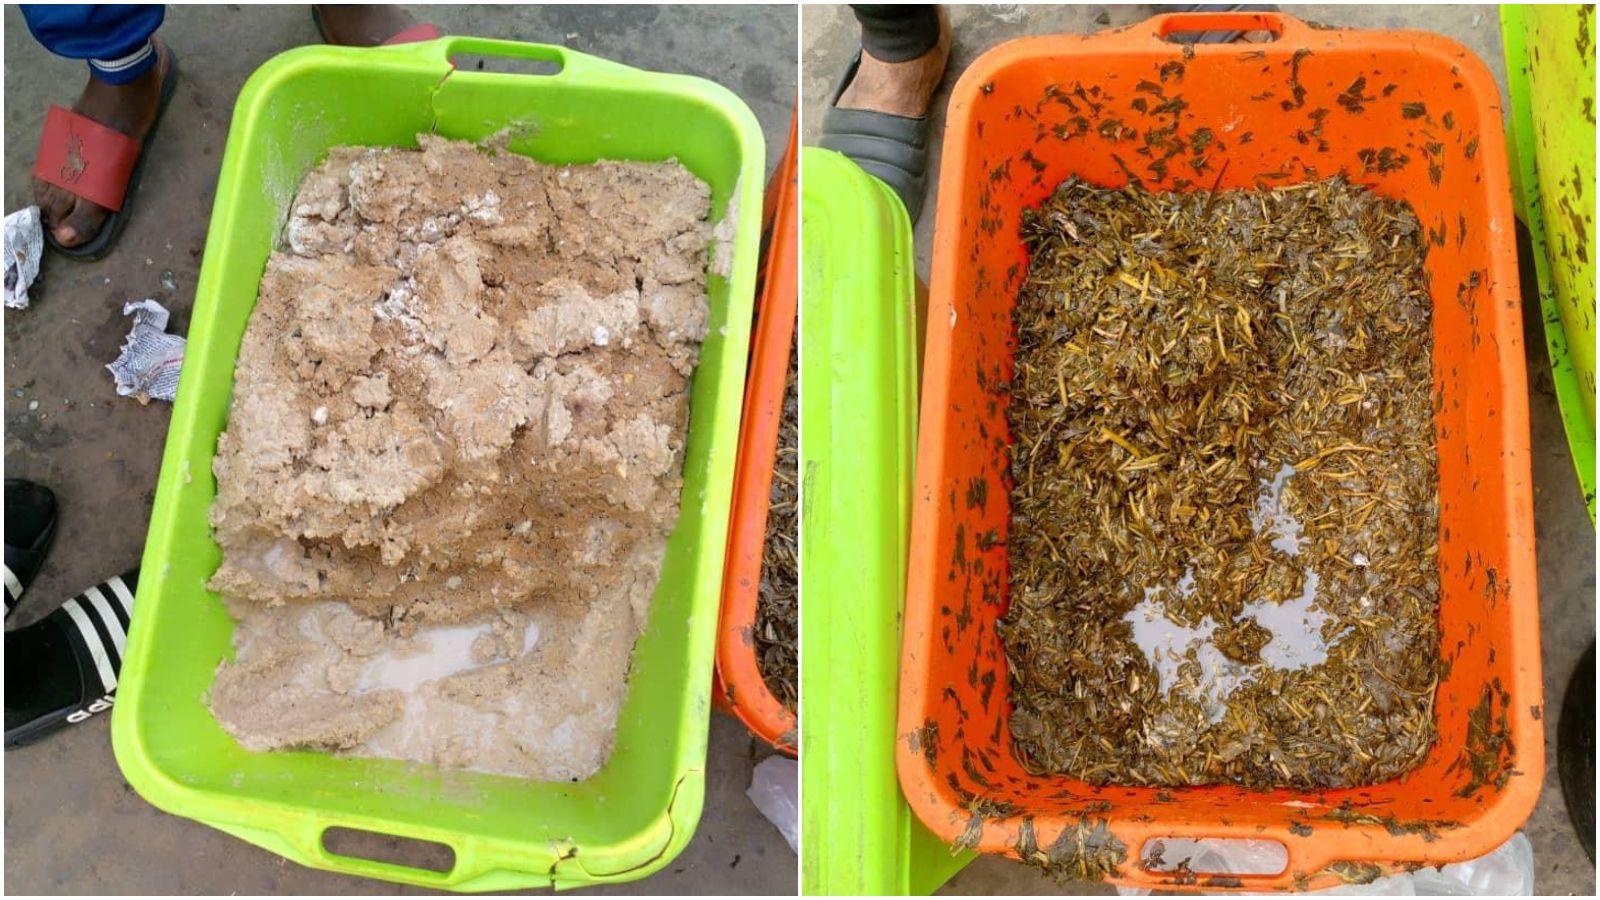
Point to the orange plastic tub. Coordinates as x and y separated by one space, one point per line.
1308 105
743 690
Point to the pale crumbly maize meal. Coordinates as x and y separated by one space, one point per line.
458 417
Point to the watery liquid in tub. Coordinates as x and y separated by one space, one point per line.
1224 507
420 667
432 655
1296 624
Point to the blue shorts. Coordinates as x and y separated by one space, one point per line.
113 38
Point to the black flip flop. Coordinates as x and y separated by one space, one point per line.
111 228
63 668
30 529
892 148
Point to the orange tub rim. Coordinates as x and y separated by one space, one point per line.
743 690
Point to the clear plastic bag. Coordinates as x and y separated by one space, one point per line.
775 790
1505 872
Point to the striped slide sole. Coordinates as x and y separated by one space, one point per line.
13 590
64 668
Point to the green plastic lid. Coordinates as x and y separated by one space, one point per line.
858 425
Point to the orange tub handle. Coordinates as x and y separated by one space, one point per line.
1160 28
1302 856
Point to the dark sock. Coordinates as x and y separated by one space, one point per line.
897 33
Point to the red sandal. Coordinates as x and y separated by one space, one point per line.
97 163
422 31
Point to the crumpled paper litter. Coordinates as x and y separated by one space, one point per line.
151 359
24 243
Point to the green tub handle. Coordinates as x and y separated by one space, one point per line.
301 840
574 65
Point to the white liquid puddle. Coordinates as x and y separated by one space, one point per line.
1296 627
1167 644
1295 624
434 653
1270 516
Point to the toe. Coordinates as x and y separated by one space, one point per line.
54 203
81 224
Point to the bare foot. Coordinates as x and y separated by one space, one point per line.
362 25
903 88
129 108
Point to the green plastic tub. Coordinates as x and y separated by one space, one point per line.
1550 71
858 432
640 810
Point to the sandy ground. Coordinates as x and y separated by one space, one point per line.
1564 535
72 823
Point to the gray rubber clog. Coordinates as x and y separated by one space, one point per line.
891 148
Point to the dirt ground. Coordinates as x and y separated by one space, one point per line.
72 824
1564 535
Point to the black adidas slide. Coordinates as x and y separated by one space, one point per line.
30 527
63 668
891 148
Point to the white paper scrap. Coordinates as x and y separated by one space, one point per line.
24 243
151 359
